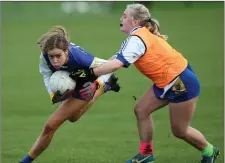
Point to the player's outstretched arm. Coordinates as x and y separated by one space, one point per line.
108 67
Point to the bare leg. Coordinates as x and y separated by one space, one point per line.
180 118
143 109
53 123
78 113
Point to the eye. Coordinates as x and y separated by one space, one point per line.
58 56
50 56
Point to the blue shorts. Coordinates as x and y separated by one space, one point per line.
78 97
186 87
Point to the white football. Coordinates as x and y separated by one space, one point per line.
60 81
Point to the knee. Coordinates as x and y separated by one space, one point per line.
49 129
179 132
73 119
140 112
76 116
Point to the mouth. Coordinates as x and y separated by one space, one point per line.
121 24
57 66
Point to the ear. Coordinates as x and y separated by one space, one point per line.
136 22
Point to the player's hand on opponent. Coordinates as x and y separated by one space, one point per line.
89 90
57 97
112 84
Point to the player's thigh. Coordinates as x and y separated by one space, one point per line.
149 102
183 97
181 113
65 110
97 94
77 114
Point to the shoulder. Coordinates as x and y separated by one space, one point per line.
74 48
131 40
136 39
43 58
134 42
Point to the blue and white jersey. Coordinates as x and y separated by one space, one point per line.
78 59
131 49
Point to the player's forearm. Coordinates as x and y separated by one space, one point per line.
98 61
108 67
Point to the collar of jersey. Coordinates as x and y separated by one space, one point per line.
134 29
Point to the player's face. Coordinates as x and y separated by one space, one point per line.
126 21
58 57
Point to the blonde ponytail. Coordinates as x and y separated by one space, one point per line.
153 27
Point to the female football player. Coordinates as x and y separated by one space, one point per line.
59 54
175 83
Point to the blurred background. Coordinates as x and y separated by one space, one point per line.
107 132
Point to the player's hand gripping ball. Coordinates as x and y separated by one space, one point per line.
61 85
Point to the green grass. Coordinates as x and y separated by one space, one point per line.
107 133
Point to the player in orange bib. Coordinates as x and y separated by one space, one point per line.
175 83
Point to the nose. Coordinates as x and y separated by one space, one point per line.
121 18
54 59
